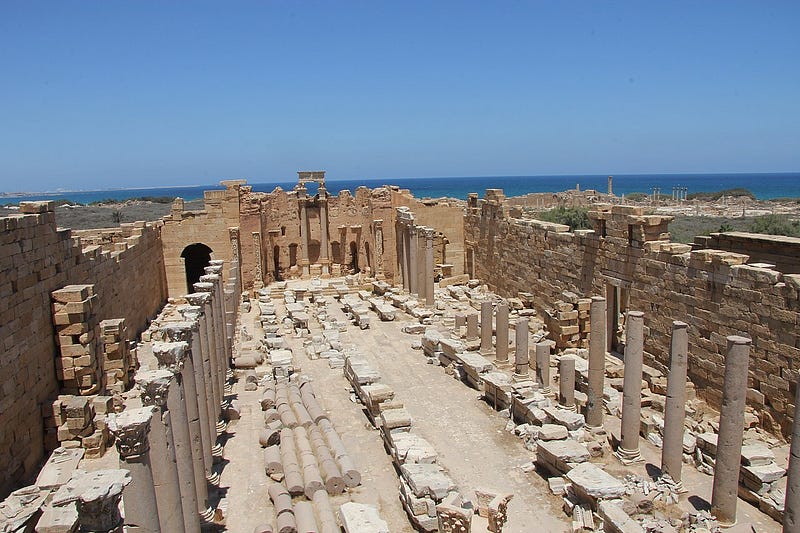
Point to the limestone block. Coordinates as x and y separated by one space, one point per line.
427 480
757 455
558 456
361 518
592 483
616 520
565 417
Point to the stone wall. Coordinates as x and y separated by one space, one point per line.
773 249
628 258
36 258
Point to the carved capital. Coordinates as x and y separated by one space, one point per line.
98 499
178 331
198 298
130 429
192 314
170 355
154 385
204 287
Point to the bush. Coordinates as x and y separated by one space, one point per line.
714 196
776 225
574 217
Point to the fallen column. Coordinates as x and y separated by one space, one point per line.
628 450
725 490
521 350
501 342
675 406
597 364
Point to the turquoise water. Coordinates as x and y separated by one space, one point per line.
764 186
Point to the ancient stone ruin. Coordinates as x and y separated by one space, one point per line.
368 362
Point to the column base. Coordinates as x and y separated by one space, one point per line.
516 378
221 427
207 516
595 430
216 451
503 364
573 407
628 457
213 479
546 391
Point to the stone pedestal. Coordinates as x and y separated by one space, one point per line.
675 406
791 514
501 343
472 326
731 427
486 327
628 450
461 320
595 410
521 350
543 366
131 430
566 382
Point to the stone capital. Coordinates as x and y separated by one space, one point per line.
171 355
98 500
209 278
154 385
178 331
192 313
130 430
203 287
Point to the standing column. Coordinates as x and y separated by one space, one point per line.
501 343
791 513
98 498
675 406
155 385
597 363
543 366
486 327
379 270
215 352
566 382
323 223
233 234
413 266
304 234
130 429
472 326
171 357
429 283
628 450
259 274
521 351
403 253
215 268
731 428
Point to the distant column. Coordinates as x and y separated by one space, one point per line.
597 363
413 267
379 268
725 490
543 366
521 354
323 221
233 234
404 258
675 407
304 262
628 450
486 327
429 283
566 382
130 429
501 343
259 281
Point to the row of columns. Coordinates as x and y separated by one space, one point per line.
415 255
170 444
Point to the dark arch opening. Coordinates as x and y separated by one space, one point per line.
354 257
276 263
196 258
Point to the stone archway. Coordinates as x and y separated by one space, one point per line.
196 258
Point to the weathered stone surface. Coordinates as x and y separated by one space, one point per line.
593 483
361 518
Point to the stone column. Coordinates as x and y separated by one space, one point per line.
628 450
155 385
171 357
413 261
259 275
429 283
131 429
731 428
379 270
472 326
304 263
323 226
487 327
675 406
233 234
501 343
403 259
597 363
215 268
215 355
791 513
521 350
98 495
566 382
543 366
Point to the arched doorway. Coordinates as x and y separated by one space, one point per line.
354 257
196 258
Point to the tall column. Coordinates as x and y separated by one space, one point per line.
675 406
98 498
597 363
521 351
323 224
791 513
429 284
628 450
501 343
304 234
486 327
472 326
413 266
402 254
215 350
543 366
259 281
201 306
379 268
171 357
215 268
130 429
566 382
155 385
233 234
725 490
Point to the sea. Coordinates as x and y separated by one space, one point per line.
763 186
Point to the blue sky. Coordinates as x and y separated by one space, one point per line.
143 93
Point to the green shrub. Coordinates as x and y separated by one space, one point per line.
574 217
776 225
714 196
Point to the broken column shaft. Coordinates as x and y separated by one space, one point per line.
632 387
597 363
521 350
675 406
501 343
543 366
486 327
566 382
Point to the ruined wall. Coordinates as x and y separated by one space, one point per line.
35 259
783 252
715 292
